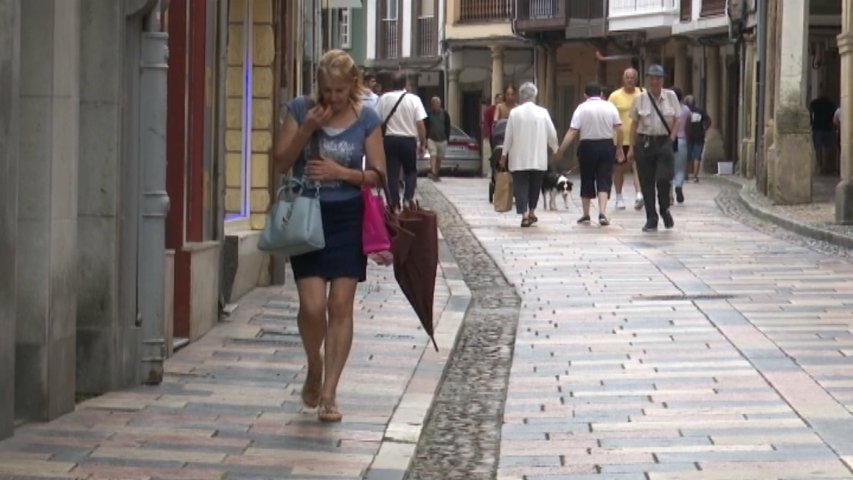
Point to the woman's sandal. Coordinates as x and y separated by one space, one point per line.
525 222
328 412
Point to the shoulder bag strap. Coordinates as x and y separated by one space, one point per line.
660 115
394 110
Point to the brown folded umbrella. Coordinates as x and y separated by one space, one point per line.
416 272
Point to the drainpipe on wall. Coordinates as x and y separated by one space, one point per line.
762 80
155 200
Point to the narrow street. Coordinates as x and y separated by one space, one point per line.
715 350
708 351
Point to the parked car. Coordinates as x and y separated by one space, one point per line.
463 155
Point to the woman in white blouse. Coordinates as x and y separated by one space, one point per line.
529 135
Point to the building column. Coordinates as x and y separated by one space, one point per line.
713 87
749 92
497 70
844 190
550 98
681 65
47 215
9 86
540 53
715 150
791 163
454 96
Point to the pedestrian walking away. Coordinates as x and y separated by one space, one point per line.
529 134
595 122
403 115
623 99
655 116
326 279
438 132
699 124
370 98
682 154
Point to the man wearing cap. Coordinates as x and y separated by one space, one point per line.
655 118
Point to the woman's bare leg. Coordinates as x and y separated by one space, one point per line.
338 339
312 328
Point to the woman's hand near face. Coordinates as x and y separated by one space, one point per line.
316 118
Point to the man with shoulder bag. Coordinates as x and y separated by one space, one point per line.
404 135
656 117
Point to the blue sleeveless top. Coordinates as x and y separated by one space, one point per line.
345 147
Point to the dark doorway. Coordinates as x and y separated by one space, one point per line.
470 118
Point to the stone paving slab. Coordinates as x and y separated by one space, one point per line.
685 353
229 406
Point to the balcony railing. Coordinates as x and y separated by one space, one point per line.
631 8
541 15
542 9
390 39
426 40
473 11
571 18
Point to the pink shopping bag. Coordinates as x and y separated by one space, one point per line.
374 233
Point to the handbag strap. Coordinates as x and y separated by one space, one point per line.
382 179
660 115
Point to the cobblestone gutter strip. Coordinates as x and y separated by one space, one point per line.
461 438
732 202
799 219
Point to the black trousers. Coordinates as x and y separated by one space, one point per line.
655 167
401 153
595 159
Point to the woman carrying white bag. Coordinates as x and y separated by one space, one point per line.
345 132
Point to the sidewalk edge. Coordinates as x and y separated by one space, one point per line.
785 222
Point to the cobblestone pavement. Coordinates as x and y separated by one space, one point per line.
461 438
230 408
718 350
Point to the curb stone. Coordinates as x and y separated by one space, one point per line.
766 214
407 422
461 438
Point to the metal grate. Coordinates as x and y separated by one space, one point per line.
485 10
427 39
683 297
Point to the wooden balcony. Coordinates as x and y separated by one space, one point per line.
485 11
572 19
587 19
541 15
426 37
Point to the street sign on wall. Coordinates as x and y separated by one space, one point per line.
428 79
